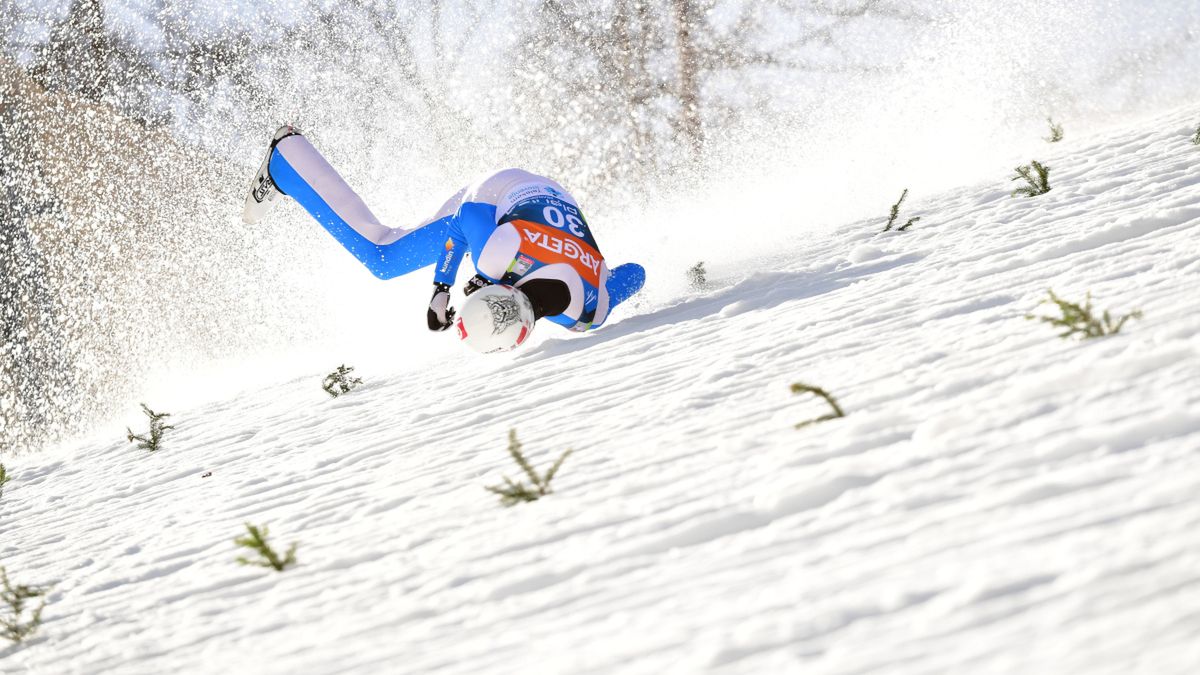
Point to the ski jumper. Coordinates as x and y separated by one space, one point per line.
517 227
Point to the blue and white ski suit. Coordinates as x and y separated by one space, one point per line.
516 225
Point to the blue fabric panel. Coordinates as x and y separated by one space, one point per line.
560 320
449 260
473 225
623 282
413 251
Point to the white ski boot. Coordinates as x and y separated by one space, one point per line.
262 189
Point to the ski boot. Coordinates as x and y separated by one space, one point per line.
262 189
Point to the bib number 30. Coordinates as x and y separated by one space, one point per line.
570 222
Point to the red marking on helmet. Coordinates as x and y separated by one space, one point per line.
524 334
462 330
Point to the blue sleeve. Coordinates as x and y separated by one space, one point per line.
468 232
456 247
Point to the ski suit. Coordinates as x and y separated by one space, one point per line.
516 225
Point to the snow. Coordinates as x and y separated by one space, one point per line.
996 500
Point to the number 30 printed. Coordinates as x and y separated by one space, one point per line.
556 218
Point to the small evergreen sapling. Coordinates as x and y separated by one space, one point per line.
801 388
4 478
1039 185
896 214
1196 138
339 381
1056 131
13 625
256 540
1078 319
157 429
514 493
697 277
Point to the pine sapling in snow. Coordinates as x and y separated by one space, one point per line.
801 388
1056 131
157 429
896 214
256 540
1078 319
20 620
4 478
1038 185
514 493
697 277
1196 138
339 381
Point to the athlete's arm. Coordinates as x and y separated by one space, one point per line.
469 230
476 218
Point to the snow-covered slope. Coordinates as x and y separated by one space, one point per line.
996 500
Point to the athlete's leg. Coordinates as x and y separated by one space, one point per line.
300 172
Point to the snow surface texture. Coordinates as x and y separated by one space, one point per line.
996 500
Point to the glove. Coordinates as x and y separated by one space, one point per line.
440 314
477 282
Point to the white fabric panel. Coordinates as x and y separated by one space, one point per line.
340 197
499 251
566 274
602 302
505 188
448 209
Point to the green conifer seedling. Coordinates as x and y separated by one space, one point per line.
14 626
339 381
896 214
1196 138
512 493
697 277
256 540
1056 131
1078 319
157 429
4 478
1038 185
801 388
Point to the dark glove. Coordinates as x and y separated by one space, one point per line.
477 282
440 314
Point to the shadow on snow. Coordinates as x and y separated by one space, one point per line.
760 291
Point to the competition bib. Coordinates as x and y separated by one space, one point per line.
554 231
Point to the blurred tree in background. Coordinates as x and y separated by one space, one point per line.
603 91
633 88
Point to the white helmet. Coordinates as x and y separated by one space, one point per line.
495 318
